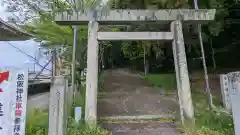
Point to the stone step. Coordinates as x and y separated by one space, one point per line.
102 95
145 127
140 117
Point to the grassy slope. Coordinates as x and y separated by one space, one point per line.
208 122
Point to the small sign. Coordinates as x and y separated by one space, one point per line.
13 99
78 113
225 90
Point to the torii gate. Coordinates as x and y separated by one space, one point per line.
114 17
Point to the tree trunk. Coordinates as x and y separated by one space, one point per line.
103 61
213 56
80 80
59 61
146 67
210 104
144 60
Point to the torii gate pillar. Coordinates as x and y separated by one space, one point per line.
182 76
92 74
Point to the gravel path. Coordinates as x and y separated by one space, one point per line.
128 100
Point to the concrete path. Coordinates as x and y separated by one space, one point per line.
130 106
38 101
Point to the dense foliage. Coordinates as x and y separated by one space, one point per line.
217 41
220 37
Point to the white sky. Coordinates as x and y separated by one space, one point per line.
11 57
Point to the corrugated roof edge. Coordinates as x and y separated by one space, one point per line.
14 28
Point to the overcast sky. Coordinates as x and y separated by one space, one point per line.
11 57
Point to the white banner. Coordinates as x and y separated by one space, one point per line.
13 101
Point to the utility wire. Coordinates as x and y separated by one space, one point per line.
27 55
42 69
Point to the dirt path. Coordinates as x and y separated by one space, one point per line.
130 106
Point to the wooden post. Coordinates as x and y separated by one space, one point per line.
74 61
92 74
54 62
70 97
67 106
144 60
182 74
57 108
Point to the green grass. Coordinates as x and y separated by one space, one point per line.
81 128
166 81
212 120
37 124
207 122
